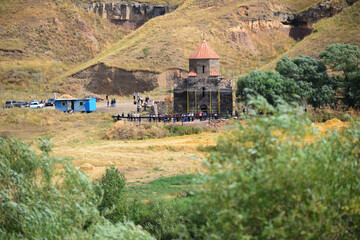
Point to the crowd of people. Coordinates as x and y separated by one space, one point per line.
112 101
140 102
136 117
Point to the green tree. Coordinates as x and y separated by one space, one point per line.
265 182
311 77
271 85
40 200
113 202
345 58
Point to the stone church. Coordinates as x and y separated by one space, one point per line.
203 89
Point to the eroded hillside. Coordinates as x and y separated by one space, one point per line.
247 34
40 39
342 28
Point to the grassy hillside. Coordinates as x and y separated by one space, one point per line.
40 39
170 39
299 6
342 28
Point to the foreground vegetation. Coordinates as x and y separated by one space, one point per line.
38 202
262 181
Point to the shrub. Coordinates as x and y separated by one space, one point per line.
39 201
113 200
161 217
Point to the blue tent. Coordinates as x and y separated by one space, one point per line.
76 105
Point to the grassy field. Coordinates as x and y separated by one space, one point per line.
153 168
177 186
81 138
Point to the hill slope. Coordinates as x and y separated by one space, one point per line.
342 28
171 38
41 39
247 34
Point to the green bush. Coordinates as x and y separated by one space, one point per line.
113 201
40 200
162 218
264 182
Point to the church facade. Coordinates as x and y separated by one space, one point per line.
203 89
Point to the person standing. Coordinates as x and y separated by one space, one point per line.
134 95
108 103
107 97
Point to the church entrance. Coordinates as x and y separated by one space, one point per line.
204 108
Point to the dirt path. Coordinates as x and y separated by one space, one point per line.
123 107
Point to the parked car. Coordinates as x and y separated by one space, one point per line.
21 104
98 99
50 102
36 105
10 103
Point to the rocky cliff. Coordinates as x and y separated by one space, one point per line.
302 23
129 15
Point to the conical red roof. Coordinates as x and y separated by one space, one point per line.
204 51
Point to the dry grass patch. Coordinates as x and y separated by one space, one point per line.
139 158
126 130
300 5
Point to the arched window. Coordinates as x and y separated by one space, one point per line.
203 69
203 92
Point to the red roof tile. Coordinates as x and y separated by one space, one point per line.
192 73
204 51
214 73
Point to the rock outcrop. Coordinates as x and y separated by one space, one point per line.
101 79
129 15
302 23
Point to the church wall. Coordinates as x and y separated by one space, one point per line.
203 99
197 65
214 64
